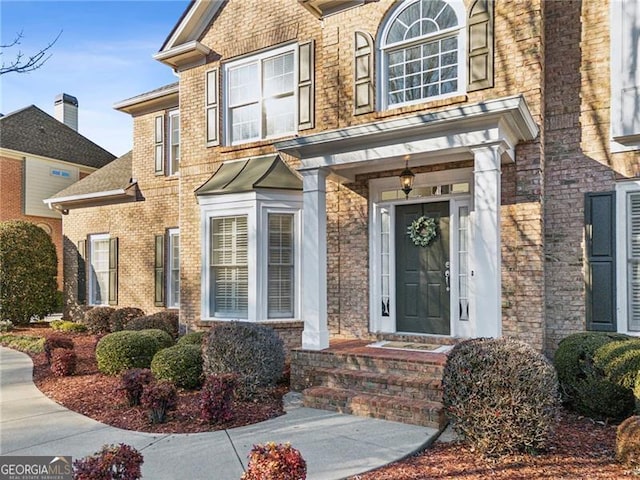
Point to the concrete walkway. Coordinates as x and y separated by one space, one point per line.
334 445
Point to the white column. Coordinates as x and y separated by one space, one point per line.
486 283
314 259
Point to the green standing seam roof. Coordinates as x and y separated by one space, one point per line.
268 172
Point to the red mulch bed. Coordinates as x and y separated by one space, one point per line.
581 448
96 395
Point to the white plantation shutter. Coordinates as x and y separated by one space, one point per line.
229 266
280 266
634 262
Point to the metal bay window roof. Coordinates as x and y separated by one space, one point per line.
267 172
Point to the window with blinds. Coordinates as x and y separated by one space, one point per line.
281 268
634 262
229 267
99 271
173 294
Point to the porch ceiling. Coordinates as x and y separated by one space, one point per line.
437 137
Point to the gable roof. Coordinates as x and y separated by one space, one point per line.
30 130
112 182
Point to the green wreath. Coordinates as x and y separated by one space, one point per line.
423 231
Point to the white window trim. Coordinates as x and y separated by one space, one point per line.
616 31
382 62
256 206
92 239
172 233
290 48
172 115
378 323
623 189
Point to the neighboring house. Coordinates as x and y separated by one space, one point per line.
40 155
267 181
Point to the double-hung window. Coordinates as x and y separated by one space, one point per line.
281 265
99 269
261 96
423 52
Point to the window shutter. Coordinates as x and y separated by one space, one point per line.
306 107
159 272
633 263
211 107
600 271
159 145
363 92
82 272
113 271
480 46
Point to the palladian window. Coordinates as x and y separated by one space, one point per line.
422 52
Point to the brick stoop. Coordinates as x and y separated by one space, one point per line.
349 377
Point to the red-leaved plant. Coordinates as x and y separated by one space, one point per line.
113 462
132 383
271 461
63 362
159 398
56 341
216 397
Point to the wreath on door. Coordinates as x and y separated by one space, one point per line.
423 231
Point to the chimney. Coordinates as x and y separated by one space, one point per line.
66 110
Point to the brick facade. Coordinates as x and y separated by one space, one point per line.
541 52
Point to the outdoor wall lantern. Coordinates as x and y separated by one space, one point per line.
406 178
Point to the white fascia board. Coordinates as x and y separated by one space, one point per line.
194 23
189 53
146 97
89 196
506 120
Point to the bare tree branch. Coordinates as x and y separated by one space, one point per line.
21 63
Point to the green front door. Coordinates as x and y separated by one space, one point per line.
422 273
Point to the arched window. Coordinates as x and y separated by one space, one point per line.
423 50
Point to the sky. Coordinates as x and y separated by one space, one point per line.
103 56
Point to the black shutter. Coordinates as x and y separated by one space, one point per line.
601 261
113 271
159 271
82 272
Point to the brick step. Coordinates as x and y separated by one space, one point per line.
402 386
385 407
394 366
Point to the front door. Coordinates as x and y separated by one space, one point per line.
422 273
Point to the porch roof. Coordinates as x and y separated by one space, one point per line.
425 137
267 172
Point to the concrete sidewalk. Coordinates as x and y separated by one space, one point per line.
334 445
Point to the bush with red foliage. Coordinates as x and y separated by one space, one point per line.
63 362
56 341
97 320
132 383
159 398
628 443
120 318
216 398
113 462
271 461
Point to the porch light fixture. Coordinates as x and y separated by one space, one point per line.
406 178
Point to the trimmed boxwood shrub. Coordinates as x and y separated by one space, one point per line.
123 350
97 319
583 385
254 352
56 341
620 361
163 338
501 395
165 320
180 364
28 270
122 316
192 338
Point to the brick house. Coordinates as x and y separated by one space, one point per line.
40 155
266 184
